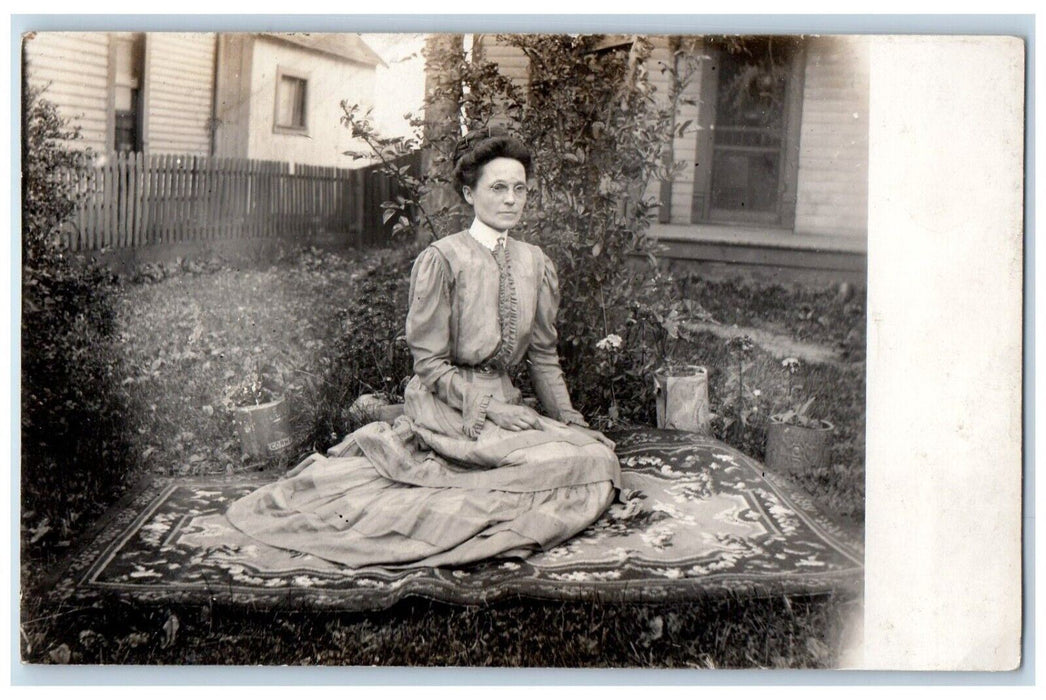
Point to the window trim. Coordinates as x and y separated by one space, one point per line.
278 128
139 57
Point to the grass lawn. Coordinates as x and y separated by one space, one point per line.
186 340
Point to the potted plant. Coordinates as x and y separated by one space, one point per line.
681 393
796 441
260 412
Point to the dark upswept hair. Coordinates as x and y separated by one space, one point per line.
477 148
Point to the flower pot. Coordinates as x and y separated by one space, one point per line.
264 429
682 399
796 448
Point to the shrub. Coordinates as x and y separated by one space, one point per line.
73 452
370 356
47 197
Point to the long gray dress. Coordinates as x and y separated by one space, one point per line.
445 485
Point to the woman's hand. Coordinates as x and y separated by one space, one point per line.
512 417
595 435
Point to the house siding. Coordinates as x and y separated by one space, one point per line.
659 67
684 145
179 85
74 69
511 61
833 152
330 80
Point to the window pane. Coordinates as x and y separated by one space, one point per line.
125 72
749 134
124 98
126 132
291 102
299 103
745 181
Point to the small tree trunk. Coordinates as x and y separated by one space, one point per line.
442 126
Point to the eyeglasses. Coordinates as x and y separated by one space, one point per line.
501 189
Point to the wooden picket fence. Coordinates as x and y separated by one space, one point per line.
132 200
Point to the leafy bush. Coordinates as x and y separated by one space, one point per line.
48 200
73 422
370 353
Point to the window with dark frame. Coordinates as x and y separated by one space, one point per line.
291 93
128 57
747 154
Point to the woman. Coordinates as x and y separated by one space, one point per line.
469 472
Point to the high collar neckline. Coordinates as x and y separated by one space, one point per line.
486 235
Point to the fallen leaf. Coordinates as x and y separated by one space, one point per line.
88 638
656 631
134 639
170 630
61 654
40 530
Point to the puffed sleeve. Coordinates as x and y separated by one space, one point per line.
428 336
545 373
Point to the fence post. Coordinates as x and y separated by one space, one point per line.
136 198
164 173
94 183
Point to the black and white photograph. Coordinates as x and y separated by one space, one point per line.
408 349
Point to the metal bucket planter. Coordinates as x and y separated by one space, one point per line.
797 449
682 399
264 429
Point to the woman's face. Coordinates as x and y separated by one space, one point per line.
500 193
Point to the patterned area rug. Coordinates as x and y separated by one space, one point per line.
699 519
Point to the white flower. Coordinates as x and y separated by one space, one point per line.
756 392
611 342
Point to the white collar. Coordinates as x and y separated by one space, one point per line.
485 234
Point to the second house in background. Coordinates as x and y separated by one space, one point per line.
278 95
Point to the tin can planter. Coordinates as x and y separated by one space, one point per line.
264 429
682 399
795 448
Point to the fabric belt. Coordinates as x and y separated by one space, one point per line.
509 393
488 370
